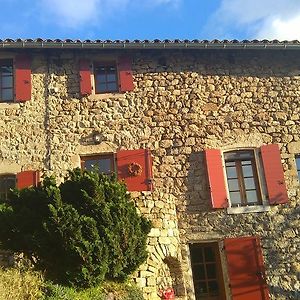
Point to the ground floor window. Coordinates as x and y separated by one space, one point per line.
207 271
7 182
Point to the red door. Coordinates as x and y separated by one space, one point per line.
246 269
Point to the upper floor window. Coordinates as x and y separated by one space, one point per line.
103 163
6 80
106 78
7 182
297 158
242 178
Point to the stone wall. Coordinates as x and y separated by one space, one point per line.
183 102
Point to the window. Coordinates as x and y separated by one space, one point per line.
242 178
207 271
104 163
7 182
106 78
6 80
297 158
246 180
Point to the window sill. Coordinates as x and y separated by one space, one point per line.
106 95
247 209
5 105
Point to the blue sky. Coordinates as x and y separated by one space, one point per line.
150 19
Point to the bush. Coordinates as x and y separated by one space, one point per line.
82 231
20 285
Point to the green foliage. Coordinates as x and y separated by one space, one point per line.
82 231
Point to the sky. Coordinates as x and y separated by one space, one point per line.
150 19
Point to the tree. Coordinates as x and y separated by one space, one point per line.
81 231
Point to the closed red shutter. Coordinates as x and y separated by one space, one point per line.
274 174
23 78
27 179
246 268
125 74
216 178
85 77
139 161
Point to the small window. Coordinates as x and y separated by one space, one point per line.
242 178
104 163
207 271
7 182
297 158
6 80
106 78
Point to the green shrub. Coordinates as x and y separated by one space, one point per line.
82 231
20 285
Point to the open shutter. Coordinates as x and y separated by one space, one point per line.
138 161
274 174
125 74
216 178
27 179
22 78
85 77
246 268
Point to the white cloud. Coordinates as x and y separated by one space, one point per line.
271 19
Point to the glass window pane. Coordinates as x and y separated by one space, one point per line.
213 287
247 171
211 271
100 78
104 165
101 87
200 288
6 81
7 94
299 174
111 77
199 272
209 254
249 183
235 198
251 196
298 163
91 164
231 172
6 70
233 185
112 86
196 254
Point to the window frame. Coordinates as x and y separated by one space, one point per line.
3 63
6 190
297 157
107 64
111 156
258 173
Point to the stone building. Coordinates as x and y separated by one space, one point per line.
205 134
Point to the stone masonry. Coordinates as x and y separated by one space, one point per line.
195 100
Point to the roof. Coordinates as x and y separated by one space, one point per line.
148 44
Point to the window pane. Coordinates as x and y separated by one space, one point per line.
233 185
100 78
111 77
201 288
235 198
6 70
209 254
247 171
251 196
112 86
91 164
298 163
249 183
6 81
196 254
213 287
199 272
231 172
299 174
101 87
104 165
7 94
211 271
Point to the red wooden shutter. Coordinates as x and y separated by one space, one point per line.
23 78
142 158
274 174
27 179
85 77
246 268
216 178
125 74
